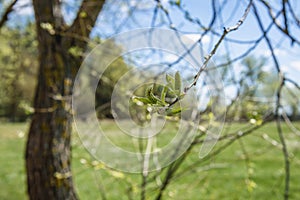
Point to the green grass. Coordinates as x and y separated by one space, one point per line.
12 176
221 177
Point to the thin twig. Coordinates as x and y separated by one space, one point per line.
274 21
8 10
249 50
290 124
293 14
282 140
286 158
271 48
278 106
146 167
209 56
231 137
293 82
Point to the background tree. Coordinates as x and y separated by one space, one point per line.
265 28
107 82
18 65
255 86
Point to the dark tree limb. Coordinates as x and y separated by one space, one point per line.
278 107
283 143
86 17
225 32
284 30
8 10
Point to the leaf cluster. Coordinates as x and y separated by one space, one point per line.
163 98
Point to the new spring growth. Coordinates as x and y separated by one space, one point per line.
163 98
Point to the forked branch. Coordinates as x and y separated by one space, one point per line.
213 52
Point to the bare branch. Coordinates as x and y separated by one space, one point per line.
267 39
293 14
225 32
232 139
249 50
290 124
286 158
282 139
86 17
283 30
293 82
284 16
8 10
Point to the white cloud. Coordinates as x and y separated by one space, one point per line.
285 68
142 4
292 67
196 37
295 64
170 58
24 7
124 8
292 71
278 52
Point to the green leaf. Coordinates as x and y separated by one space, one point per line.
156 100
116 174
152 98
173 111
181 95
171 93
48 27
177 83
142 99
171 81
148 91
83 14
163 94
75 51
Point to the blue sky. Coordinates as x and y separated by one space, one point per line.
289 56
114 19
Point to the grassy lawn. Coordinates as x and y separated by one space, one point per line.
251 168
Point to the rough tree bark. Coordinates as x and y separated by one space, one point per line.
48 150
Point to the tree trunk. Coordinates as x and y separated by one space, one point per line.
48 150
48 145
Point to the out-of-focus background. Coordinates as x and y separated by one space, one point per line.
257 155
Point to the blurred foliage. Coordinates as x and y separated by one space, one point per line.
291 102
108 79
18 66
18 57
253 79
